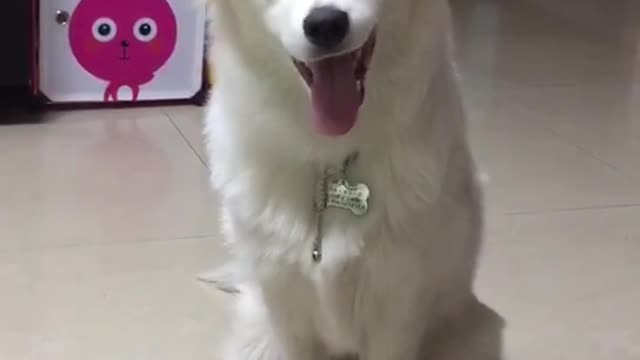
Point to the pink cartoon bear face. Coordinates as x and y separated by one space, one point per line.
123 42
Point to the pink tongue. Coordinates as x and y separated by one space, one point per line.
334 95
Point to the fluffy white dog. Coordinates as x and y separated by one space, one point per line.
352 211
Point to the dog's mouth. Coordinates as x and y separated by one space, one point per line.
337 85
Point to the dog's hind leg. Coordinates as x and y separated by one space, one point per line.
477 335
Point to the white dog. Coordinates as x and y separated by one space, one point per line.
354 217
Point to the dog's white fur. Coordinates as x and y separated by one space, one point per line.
393 285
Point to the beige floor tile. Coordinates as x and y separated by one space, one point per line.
100 176
115 301
534 169
566 282
189 121
610 321
602 121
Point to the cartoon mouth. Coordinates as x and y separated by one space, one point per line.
337 86
125 54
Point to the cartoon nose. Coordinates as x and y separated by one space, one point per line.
326 26
124 44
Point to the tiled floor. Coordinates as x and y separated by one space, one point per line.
106 216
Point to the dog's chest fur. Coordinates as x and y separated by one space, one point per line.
273 203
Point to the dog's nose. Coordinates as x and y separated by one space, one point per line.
326 27
124 44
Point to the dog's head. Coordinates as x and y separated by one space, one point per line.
331 43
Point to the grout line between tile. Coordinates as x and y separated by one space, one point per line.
105 244
193 149
593 155
576 209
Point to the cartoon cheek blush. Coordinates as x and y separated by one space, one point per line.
121 42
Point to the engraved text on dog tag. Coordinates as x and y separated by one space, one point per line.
341 194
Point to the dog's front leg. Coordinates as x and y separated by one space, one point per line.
393 309
268 328
290 305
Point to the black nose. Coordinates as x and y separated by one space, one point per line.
124 43
326 26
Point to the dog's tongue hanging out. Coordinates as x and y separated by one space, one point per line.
337 88
335 94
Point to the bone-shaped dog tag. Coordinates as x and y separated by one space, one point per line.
341 194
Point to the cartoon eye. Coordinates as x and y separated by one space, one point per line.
104 29
145 29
